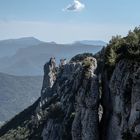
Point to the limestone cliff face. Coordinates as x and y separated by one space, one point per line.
74 113
121 102
50 71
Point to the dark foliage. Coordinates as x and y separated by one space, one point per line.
81 57
122 48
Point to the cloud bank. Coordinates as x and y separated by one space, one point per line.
76 6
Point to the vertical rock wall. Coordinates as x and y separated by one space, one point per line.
121 99
74 113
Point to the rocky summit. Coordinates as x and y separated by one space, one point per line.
91 97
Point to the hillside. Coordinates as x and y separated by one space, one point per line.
17 93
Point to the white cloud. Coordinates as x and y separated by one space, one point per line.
76 6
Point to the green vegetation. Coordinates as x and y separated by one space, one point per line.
127 47
87 63
81 57
123 48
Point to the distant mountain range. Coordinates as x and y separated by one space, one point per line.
11 46
30 54
16 93
92 42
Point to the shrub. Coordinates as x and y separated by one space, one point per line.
119 48
81 57
87 63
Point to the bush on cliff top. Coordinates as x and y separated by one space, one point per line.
81 57
126 47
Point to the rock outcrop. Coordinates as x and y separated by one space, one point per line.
71 115
121 102
50 71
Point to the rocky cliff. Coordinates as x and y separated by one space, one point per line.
120 100
86 98
76 99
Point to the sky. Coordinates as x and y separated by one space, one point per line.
65 21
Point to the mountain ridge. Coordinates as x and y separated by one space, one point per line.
92 42
10 46
37 55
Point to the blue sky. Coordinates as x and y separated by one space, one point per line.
46 19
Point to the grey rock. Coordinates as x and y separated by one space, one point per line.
121 101
79 99
49 78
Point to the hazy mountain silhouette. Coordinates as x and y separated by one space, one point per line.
30 60
92 42
9 47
